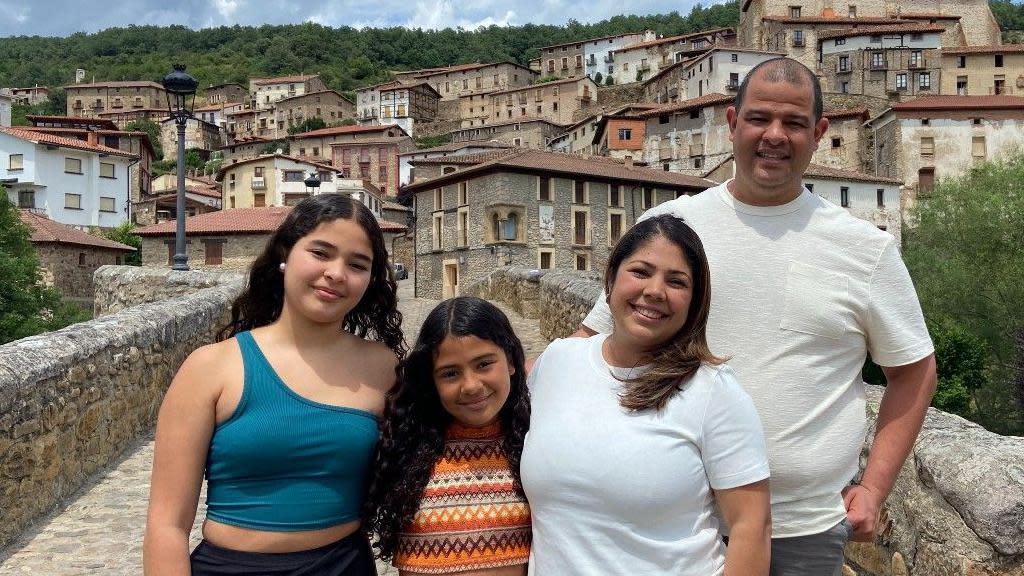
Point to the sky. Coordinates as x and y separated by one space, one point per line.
65 17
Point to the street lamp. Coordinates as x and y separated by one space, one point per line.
181 99
312 183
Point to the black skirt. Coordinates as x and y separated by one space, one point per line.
350 556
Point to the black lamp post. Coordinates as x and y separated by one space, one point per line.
181 99
312 183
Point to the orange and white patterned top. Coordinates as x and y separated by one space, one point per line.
471 517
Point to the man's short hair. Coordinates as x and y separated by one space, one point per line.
786 70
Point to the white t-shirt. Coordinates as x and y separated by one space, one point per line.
799 294
614 492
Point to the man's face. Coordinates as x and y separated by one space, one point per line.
774 136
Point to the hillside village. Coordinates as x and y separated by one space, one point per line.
543 166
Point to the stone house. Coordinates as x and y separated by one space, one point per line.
533 209
202 194
6 103
317 143
272 180
845 142
106 133
265 92
475 108
719 70
216 113
225 93
227 239
407 104
875 199
122 118
792 26
245 147
90 100
406 159
639 62
31 96
620 136
428 168
663 87
525 132
587 135
199 135
897 61
688 137
328 105
586 57
240 125
68 257
451 82
557 101
81 183
927 139
375 161
982 70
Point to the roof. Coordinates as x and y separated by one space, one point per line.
389 205
381 140
930 16
98 122
340 130
46 230
571 165
238 221
403 86
669 39
542 84
1000 102
467 159
861 113
218 106
308 94
457 68
613 36
244 140
1001 49
142 136
223 84
855 21
520 120
209 192
692 61
233 220
906 28
124 84
225 167
283 79
829 173
712 99
55 140
455 146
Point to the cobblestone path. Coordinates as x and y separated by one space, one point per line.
100 530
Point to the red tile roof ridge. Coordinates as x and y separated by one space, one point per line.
822 171
353 129
956 102
909 27
700 101
47 230
989 49
283 79
74 143
236 220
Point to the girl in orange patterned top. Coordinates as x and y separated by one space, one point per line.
445 496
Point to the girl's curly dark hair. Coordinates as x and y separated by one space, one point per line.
415 423
375 316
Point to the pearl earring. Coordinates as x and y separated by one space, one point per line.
281 267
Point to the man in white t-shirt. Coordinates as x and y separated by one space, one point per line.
801 292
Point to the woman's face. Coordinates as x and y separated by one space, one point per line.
328 271
473 379
650 295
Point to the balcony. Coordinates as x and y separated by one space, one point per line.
732 86
882 65
916 64
609 58
258 183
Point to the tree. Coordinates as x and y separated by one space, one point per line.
125 234
27 307
609 80
275 145
598 78
152 129
314 123
964 254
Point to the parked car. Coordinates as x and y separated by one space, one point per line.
400 272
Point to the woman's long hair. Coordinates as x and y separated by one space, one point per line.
415 423
678 358
375 316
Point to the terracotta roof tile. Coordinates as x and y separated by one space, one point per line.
715 98
829 173
613 36
283 79
861 112
99 122
339 130
520 120
208 191
543 84
388 226
1000 102
381 140
237 221
55 140
859 20
46 230
670 39
125 84
468 159
456 146
389 205
905 28
1000 49
576 166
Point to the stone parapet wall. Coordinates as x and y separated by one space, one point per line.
72 401
957 508
120 287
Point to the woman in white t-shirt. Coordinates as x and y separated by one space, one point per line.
636 436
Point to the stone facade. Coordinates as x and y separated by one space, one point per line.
70 268
527 133
72 401
983 71
266 92
454 81
845 141
556 101
237 250
898 66
375 160
689 140
199 135
120 287
90 100
225 94
328 105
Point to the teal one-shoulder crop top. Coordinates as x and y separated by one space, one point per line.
285 463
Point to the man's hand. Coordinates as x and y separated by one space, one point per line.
862 510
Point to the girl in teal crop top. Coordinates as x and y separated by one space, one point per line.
281 413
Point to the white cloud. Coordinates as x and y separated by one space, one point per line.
9 12
226 8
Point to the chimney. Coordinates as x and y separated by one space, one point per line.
92 138
629 162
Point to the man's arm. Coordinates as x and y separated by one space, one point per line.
908 393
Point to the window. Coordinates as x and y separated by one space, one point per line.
648 198
232 201
901 81
999 61
81 258
580 227
544 188
316 150
794 11
880 195
463 193
625 133
844 64
810 188
924 81
840 41
107 204
293 176
16 162
73 165
915 59
927 146
73 201
257 172
437 198
579 192
734 58
977 121
837 142
259 200
961 61
877 60
852 11
26 199
663 119
544 259
106 170
978 147
614 227
925 121
844 196
844 87
798 37
615 194
214 252
694 114
582 262
463 227
925 180
438 230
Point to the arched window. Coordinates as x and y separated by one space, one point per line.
495 235
511 227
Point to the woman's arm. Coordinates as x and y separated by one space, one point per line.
747 512
184 427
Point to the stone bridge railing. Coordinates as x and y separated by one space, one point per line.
72 401
957 507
